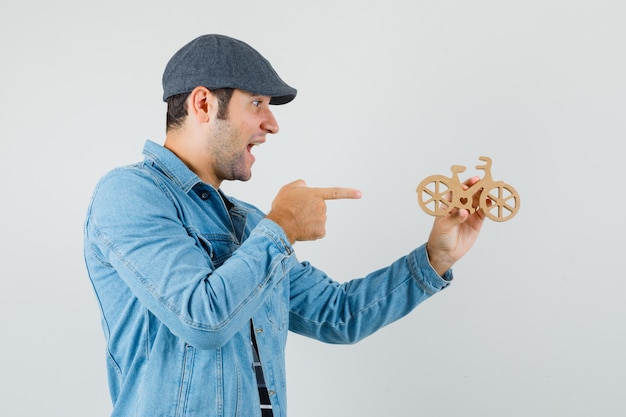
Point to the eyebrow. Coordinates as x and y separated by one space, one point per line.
253 95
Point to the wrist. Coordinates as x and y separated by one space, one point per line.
281 223
439 260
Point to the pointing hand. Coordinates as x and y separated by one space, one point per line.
301 210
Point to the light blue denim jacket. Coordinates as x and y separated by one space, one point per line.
179 270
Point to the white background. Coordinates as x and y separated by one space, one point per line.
389 93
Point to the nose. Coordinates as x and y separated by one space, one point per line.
269 124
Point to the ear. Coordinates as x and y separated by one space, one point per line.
201 103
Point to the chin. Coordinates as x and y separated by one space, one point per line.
244 178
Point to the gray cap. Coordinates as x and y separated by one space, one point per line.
218 61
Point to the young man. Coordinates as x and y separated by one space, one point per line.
197 289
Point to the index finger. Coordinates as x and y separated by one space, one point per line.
336 193
471 181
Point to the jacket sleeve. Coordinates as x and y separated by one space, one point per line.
129 232
348 312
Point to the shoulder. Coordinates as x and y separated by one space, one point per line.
130 188
129 179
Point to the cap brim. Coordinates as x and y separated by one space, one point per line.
277 100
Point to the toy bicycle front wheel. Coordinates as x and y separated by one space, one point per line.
434 195
504 202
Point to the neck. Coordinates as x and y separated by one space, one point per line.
192 154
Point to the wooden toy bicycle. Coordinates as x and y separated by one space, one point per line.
438 194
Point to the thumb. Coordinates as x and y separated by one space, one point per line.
455 218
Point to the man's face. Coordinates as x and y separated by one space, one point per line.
231 140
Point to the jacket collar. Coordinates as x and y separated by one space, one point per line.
168 163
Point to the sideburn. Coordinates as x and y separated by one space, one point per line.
223 98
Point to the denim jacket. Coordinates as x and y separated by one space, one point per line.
179 270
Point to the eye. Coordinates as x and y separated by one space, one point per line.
256 103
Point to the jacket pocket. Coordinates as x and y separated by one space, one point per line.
277 307
186 375
219 247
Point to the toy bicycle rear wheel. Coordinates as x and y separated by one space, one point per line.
434 195
504 202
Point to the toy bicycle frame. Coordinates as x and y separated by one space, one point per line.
438 194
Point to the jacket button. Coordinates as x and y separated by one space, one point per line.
204 195
271 392
259 330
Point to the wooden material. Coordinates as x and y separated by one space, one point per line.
438 195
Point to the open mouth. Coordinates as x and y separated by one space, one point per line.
255 143
252 145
